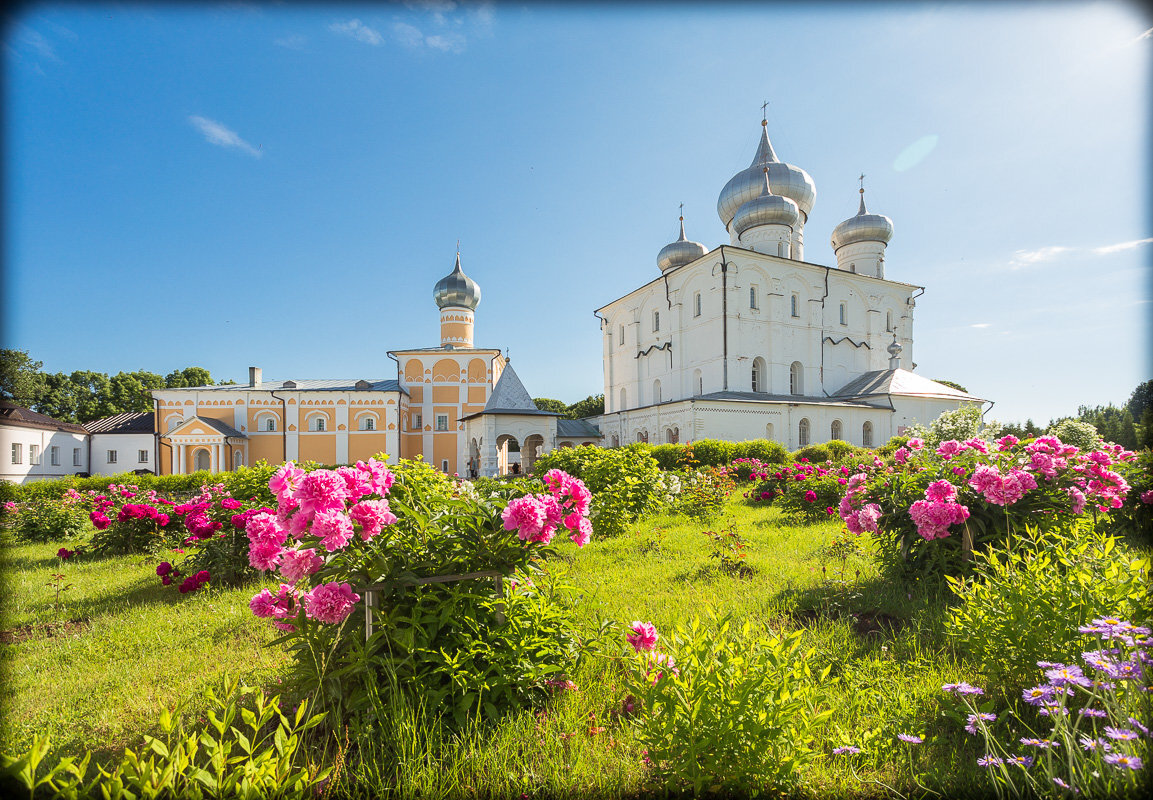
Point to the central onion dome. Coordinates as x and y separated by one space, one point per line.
681 252
457 290
784 179
864 227
766 209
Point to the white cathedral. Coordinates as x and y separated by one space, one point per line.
750 341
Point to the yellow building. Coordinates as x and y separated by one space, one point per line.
423 411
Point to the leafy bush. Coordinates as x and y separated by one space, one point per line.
1135 517
1075 432
129 521
703 493
727 710
814 454
49 520
625 482
1026 605
251 483
259 756
815 498
960 424
764 450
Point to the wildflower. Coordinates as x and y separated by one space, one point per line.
846 750
1120 734
330 603
1098 713
64 553
1050 710
1064 785
990 761
1044 744
1067 675
910 738
962 689
1124 761
1139 726
1021 761
643 637
978 717
1088 744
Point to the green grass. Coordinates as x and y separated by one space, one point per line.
146 647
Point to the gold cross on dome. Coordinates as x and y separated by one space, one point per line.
862 180
764 110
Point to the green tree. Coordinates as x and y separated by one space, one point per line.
20 378
93 395
1141 399
952 384
548 404
58 398
189 376
591 406
128 391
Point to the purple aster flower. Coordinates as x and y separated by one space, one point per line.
1124 761
1049 664
990 761
1130 670
1100 713
1120 734
909 738
1067 675
962 689
1064 785
975 718
1107 627
1021 761
1089 744
1050 710
1139 726
1098 660
846 750
1038 695
1044 744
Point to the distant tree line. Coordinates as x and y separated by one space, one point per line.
1130 425
84 396
591 406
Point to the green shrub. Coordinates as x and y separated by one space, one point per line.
714 452
259 754
668 456
703 493
763 450
625 482
251 483
814 453
1025 605
48 521
1076 432
735 712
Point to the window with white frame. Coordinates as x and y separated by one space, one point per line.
796 378
867 435
54 452
844 315
111 457
444 465
417 422
803 433
17 453
758 374
656 321
621 336
836 430
794 306
697 304
889 321
142 456
316 424
269 423
34 454
442 422
75 456
367 423
753 297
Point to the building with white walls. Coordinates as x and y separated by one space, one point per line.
34 446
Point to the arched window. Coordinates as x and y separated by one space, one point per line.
697 304
621 336
889 321
769 431
758 374
783 249
867 435
640 436
698 383
624 401
656 321
367 422
669 438
316 423
753 297
237 459
803 433
656 391
794 306
175 422
616 440
836 430
844 316
268 423
796 378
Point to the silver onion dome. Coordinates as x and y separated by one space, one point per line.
785 180
457 290
864 227
895 347
680 252
766 209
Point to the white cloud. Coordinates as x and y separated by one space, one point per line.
292 42
356 29
981 325
1121 246
1026 258
408 35
448 43
217 134
438 8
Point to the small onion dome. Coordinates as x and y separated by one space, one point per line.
864 227
895 347
457 290
766 209
680 252
785 179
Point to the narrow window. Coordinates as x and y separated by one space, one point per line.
142 456
17 453
796 378
867 435
621 336
794 306
656 391
75 456
269 424
803 433
836 430
34 454
700 385
889 321
55 451
444 465
844 318
852 268
753 298
367 424
442 422
417 421
756 378
111 456
697 304
624 399
656 321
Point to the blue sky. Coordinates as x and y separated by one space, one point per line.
282 185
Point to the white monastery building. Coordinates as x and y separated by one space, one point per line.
750 341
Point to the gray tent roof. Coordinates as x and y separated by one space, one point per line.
509 394
899 382
577 429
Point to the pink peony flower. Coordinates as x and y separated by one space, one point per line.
321 490
583 533
941 491
1147 497
296 564
1007 443
264 555
946 450
810 496
380 479
643 637
915 443
372 516
163 568
330 603
286 480
265 527
333 528
357 482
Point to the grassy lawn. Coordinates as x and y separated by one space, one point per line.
140 646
